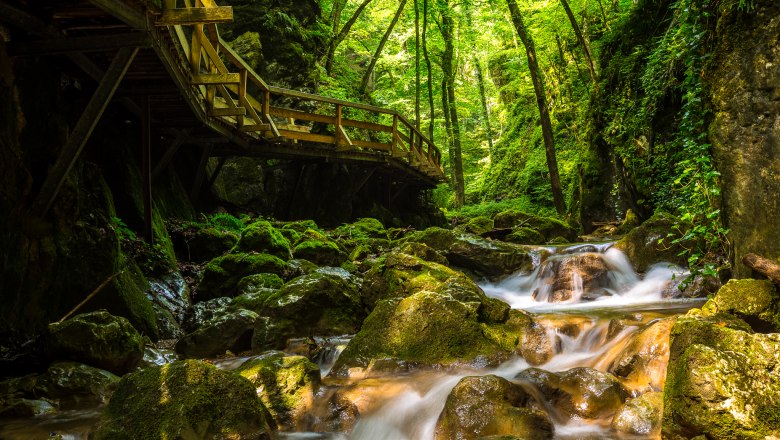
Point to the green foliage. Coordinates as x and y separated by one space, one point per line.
224 221
489 209
123 232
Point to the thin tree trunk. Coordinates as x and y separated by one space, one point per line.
334 43
448 67
564 76
432 117
583 43
385 37
486 114
417 83
541 101
445 107
604 15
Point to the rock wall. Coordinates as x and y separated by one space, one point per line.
744 82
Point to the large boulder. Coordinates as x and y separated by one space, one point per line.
362 228
98 339
324 303
186 399
482 406
722 380
200 244
547 227
640 416
318 248
230 330
755 301
642 246
222 274
287 384
481 256
73 385
262 237
574 277
426 328
642 361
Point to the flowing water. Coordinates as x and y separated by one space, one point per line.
585 320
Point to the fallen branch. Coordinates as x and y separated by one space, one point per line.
91 295
763 266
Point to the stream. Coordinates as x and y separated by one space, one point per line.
594 327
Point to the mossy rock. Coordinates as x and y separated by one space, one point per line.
640 416
204 244
481 406
475 254
589 394
185 399
525 235
558 241
254 300
301 226
548 227
231 330
98 339
262 237
755 301
509 219
321 252
641 244
426 328
25 408
253 283
362 228
479 225
423 251
722 380
288 384
222 274
204 311
75 386
630 222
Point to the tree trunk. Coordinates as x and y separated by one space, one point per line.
448 68
445 107
417 64
541 101
432 118
334 43
583 43
385 37
486 114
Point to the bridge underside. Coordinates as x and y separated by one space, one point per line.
138 69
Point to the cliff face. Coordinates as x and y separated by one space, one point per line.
744 82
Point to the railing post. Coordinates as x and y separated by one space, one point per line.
241 96
393 141
338 124
267 106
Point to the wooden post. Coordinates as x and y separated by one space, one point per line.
83 129
146 169
338 136
241 96
393 141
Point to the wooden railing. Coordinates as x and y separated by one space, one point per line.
233 93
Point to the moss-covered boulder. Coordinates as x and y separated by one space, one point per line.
256 282
640 416
642 361
642 248
200 244
478 225
316 247
630 222
324 303
473 253
722 380
427 328
222 274
186 399
362 228
98 339
421 250
231 330
287 384
525 235
589 393
262 237
73 385
548 227
25 408
585 274
755 301
482 406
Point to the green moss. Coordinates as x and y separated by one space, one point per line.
222 274
755 301
479 225
288 384
362 228
262 237
260 281
524 235
185 399
641 245
301 226
322 252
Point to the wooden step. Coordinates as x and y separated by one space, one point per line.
255 127
228 111
187 16
215 78
293 127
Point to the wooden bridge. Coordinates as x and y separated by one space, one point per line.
167 63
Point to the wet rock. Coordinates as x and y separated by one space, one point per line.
757 302
222 274
19 408
98 339
186 399
722 380
203 244
204 311
75 385
253 283
325 303
474 253
641 244
569 276
254 301
158 356
640 416
489 405
524 235
319 249
536 345
422 251
427 327
263 238
642 362
287 384
231 330
589 393
546 382
699 287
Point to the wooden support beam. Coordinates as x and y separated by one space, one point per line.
200 174
255 127
168 155
228 111
56 46
215 78
217 170
123 11
185 16
86 124
146 169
